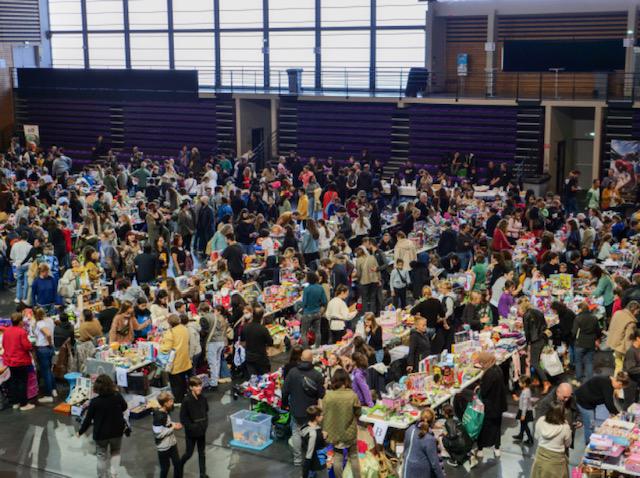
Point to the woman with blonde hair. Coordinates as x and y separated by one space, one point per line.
421 456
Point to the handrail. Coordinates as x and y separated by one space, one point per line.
494 84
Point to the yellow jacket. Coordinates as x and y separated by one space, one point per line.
303 206
177 339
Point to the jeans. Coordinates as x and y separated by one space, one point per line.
465 258
571 206
310 321
108 455
296 442
248 249
311 207
214 355
587 417
44 355
379 355
167 458
584 357
224 369
191 444
22 282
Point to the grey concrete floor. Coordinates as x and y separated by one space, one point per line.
40 443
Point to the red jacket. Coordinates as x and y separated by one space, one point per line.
500 241
67 239
15 342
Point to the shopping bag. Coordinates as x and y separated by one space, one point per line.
166 359
239 355
550 362
473 417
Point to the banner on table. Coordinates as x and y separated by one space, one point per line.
32 136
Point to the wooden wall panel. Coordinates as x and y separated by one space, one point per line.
474 82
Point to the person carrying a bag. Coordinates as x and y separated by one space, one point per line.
214 324
106 413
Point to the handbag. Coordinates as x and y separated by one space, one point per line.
550 362
473 417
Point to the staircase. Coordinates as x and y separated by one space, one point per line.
226 125
399 143
618 124
287 126
116 127
529 141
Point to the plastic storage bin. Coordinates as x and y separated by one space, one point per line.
251 430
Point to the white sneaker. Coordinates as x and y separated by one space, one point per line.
16 406
496 452
45 400
17 301
54 393
27 407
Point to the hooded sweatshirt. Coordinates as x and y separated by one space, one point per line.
553 437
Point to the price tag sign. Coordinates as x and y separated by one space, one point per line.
380 431
121 377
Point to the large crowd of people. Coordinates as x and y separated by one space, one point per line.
128 224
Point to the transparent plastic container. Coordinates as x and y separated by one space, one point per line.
251 430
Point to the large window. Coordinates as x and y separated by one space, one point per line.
242 60
292 13
67 51
345 59
150 51
106 50
397 51
148 14
193 14
400 12
195 51
104 15
241 14
335 41
65 15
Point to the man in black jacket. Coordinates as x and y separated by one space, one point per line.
448 240
633 292
535 327
562 394
492 222
600 390
419 345
631 365
302 388
194 416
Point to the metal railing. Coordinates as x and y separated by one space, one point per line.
392 82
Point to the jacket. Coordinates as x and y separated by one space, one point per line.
631 363
406 250
367 270
544 404
493 392
16 346
534 325
597 391
177 339
586 330
257 338
360 386
622 325
106 412
604 289
555 438
207 321
163 430
296 394
194 415
341 411
421 455
419 348
44 291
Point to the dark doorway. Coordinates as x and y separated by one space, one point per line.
258 146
